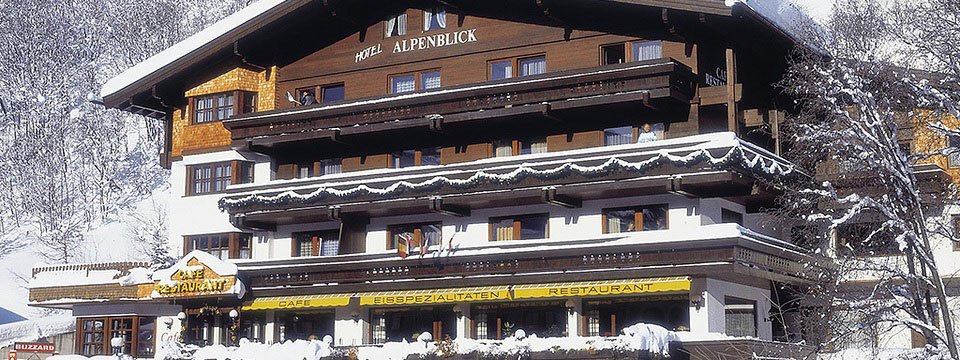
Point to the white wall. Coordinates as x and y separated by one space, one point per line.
197 215
473 230
709 316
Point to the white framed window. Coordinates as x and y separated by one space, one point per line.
396 25
434 19
740 317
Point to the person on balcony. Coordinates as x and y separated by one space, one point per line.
308 98
646 134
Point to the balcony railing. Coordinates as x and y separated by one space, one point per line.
661 82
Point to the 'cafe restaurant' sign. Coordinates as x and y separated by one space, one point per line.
421 43
196 275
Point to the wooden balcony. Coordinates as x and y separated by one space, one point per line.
729 252
705 165
662 85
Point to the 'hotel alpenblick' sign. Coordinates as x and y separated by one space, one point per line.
421 43
198 274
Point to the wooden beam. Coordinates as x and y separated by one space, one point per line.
437 206
732 92
550 196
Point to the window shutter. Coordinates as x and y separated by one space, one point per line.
286 171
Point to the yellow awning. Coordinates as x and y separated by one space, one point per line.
299 302
436 296
601 288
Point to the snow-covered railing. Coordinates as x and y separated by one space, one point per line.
122 267
716 151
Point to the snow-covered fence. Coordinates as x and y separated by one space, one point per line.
122 267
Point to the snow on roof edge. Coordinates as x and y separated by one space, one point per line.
185 47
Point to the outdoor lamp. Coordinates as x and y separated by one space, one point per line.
234 314
457 309
168 322
182 316
570 305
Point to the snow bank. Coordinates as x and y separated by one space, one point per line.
639 337
33 330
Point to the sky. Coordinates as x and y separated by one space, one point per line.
819 10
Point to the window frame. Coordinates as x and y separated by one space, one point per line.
418 83
388 32
637 217
953 159
316 238
107 333
239 105
635 57
323 92
517 226
241 172
531 57
603 47
233 243
417 158
515 65
732 304
417 232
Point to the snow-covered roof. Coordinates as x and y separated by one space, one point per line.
780 13
33 330
784 15
188 46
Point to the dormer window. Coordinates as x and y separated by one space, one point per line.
222 106
434 19
396 25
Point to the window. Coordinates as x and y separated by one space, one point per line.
307 97
731 217
524 227
501 70
503 148
223 106
424 80
223 246
216 177
955 220
613 54
304 170
533 146
646 218
332 93
396 25
533 65
137 333
322 243
331 166
434 19
864 239
414 235
403 83
408 158
647 50
430 79
741 317
954 155
618 136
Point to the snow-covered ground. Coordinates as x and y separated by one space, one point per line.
108 242
639 337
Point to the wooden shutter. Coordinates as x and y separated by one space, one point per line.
286 171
